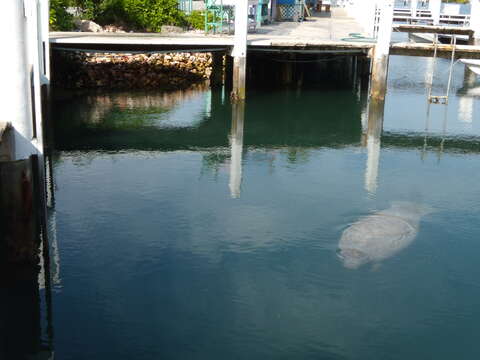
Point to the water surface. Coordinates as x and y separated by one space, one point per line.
182 235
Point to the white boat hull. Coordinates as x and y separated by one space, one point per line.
473 65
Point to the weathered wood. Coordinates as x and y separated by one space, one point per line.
239 51
216 77
448 30
381 53
228 72
6 142
443 50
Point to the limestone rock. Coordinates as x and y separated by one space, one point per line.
88 26
171 29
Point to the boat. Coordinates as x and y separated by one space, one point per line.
473 65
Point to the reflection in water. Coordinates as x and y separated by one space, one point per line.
373 143
25 298
236 146
132 110
465 103
145 234
381 235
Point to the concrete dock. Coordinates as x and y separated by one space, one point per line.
321 33
324 30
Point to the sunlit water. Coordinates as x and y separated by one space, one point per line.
179 238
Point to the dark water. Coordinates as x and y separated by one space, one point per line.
179 235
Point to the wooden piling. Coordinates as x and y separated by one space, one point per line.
381 53
435 7
240 51
228 72
216 77
475 21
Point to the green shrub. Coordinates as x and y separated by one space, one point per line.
141 15
196 19
60 19
152 14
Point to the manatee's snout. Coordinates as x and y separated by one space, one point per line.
352 258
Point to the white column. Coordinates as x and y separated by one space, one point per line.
382 51
239 52
35 54
45 43
413 7
15 72
435 7
475 18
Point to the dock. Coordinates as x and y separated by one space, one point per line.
318 34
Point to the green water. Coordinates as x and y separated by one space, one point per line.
178 233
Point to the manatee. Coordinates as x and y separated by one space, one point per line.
381 235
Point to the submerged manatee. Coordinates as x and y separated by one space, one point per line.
381 235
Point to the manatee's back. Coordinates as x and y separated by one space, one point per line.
378 236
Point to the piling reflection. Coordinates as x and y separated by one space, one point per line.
25 298
236 148
372 141
465 103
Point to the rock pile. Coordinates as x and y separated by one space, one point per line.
130 71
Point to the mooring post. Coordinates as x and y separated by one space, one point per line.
435 7
216 77
239 52
475 21
413 7
381 53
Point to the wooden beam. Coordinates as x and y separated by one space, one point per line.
449 30
445 51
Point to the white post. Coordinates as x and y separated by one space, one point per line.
475 19
35 53
15 72
45 43
413 7
435 7
381 52
239 52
